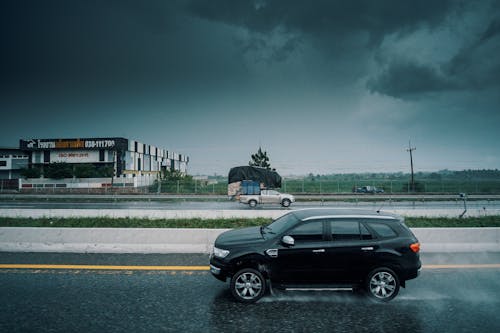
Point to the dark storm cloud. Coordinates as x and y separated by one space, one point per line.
123 45
325 19
407 79
475 66
492 31
478 66
133 45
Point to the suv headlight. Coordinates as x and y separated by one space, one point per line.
220 253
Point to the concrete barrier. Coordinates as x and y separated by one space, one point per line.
458 239
108 240
160 240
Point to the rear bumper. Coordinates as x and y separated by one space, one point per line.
413 272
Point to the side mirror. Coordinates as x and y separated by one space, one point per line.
288 240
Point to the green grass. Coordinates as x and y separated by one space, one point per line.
415 222
442 222
85 222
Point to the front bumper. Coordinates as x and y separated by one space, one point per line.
215 270
219 269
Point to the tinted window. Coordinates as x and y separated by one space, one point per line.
382 230
365 233
345 230
281 224
309 231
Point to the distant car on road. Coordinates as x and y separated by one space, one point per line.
267 197
369 189
319 248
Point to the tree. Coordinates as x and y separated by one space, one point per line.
84 171
58 170
260 159
31 173
105 171
174 175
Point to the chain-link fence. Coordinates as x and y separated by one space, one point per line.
289 185
396 186
320 186
9 185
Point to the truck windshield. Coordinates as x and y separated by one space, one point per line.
281 224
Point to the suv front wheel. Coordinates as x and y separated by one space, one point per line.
248 285
382 284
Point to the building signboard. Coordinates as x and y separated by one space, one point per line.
75 156
100 143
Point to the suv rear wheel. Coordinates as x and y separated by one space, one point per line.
382 284
286 203
252 203
248 285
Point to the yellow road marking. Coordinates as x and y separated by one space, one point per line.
107 267
194 268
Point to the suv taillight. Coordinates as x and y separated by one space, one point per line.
415 247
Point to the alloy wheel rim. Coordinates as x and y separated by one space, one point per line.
248 285
382 285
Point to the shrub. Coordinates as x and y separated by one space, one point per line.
31 173
85 171
58 171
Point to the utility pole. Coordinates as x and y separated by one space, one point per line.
411 149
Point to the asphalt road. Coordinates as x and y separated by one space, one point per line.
458 299
231 205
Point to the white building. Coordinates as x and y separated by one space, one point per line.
12 161
128 158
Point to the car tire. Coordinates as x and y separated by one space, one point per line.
382 284
252 203
286 203
248 285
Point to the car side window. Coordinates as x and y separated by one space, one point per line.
345 230
308 232
383 230
365 233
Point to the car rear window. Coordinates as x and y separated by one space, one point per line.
349 230
382 230
345 230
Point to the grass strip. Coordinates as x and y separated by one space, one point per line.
84 222
453 222
105 222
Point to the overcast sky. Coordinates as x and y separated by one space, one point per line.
322 86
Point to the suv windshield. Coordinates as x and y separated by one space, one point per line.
281 224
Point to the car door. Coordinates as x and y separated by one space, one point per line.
350 253
270 196
302 262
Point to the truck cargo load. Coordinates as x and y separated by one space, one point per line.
270 179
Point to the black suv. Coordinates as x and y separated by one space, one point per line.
319 248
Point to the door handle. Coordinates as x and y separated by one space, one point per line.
319 251
368 248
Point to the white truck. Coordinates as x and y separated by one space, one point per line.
267 197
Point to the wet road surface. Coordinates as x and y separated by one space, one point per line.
231 205
49 300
